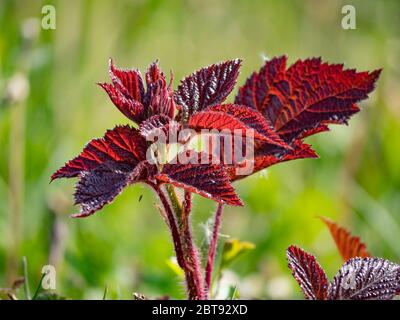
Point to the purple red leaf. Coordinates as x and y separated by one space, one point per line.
264 159
234 117
305 96
366 279
159 99
121 144
308 273
154 75
132 109
208 180
208 86
100 186
129 82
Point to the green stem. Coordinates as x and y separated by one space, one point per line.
38 287
26 283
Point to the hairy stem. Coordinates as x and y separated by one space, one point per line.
185 249
169 215
176 204
213 248
191 251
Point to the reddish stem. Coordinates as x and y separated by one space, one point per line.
172 226
186 251
191 252
187 204
213 248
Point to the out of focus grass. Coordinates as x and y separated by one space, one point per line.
125 246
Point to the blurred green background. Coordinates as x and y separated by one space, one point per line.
50 107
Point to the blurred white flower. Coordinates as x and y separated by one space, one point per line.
30 28
17 88
228 281
279 288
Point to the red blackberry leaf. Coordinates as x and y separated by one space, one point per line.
234 117
121 144
131 108
305 96
348 245
207 180
100 186
154 74
366 279
308 273
264 159
310 132
159 99
129 82
208 86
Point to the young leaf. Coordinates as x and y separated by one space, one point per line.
307 95
348 245
159 99
366 279
208 180
126 91
208 86
130 108
154 75
129 82
128 94
121 144
308 273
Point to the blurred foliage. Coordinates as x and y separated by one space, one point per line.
50 106
233 249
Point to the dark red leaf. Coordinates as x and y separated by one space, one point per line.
159 99
121 144
207 180
131 108
126 91
129 82
128 94
310 132
305 96
308 273
366 279
154 75
234 117
208 86
348 245
263 159
100 186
